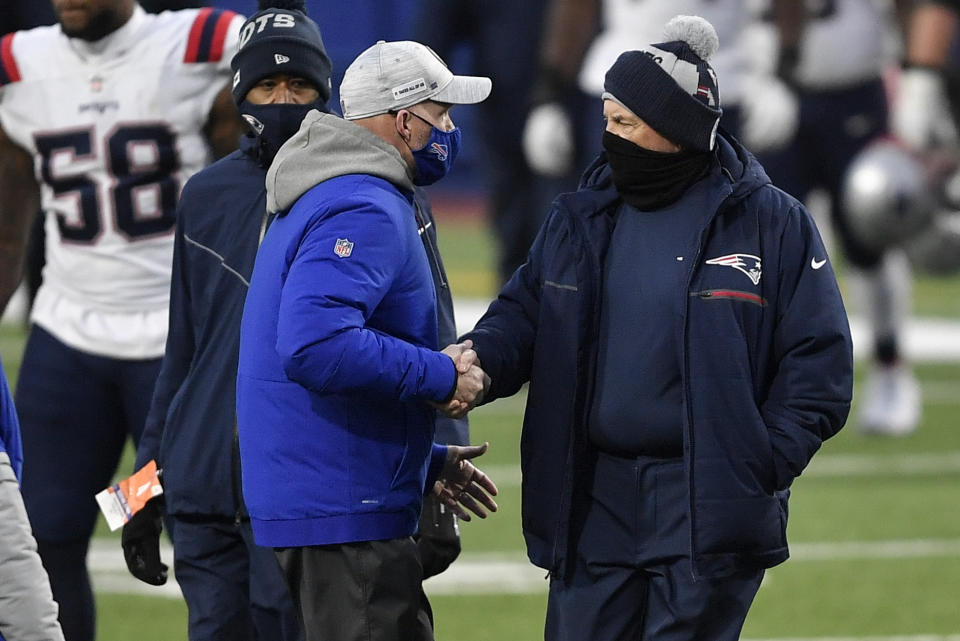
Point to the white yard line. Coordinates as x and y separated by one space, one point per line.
913 637
511 573
822 466
926 339
847 465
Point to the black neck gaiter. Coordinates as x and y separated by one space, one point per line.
273 124
651 180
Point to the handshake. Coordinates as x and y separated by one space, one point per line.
472 381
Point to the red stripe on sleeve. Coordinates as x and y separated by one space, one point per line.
6 57
220 35
196 31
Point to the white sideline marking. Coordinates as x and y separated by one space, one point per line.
925 339
844 465
500 573
823 466
875 550
914 637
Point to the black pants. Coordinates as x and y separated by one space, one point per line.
363 591
632 578
233 587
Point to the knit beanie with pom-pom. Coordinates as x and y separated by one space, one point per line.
670 85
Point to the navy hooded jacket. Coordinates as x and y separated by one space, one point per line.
765 353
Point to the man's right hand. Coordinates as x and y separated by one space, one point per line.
472 381
141 544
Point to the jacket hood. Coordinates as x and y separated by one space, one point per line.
738 165
741 167
327 146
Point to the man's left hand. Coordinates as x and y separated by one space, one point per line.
462 486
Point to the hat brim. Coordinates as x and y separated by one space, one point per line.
464 90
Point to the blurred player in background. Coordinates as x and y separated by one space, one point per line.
116 108
503 37
830 56
19 15
583 39
926 110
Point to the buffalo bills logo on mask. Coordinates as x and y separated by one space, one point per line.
439 150
436 157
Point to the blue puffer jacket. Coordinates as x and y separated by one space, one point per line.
765 351
337 347
191 426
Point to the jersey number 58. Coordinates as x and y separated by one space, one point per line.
131 176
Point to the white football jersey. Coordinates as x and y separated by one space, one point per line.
631 24
115 128
842 44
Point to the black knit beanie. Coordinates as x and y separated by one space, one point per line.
670 85
280 38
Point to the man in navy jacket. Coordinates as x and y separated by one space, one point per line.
687 351
232 587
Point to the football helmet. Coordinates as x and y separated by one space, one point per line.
887 196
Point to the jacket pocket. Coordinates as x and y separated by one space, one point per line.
730 295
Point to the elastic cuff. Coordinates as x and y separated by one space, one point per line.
438 456
453 389
907 65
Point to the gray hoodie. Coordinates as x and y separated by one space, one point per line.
27 609
327 146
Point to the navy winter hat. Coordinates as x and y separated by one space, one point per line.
670 85
280 38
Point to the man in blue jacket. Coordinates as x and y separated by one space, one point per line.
687 351
339 375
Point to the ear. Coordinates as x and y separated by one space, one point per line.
402 122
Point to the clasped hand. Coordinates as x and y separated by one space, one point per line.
472 381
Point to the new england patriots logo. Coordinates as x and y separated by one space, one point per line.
439 150
746 263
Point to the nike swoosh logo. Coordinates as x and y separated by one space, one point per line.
817 264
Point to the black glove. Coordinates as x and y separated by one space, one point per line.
438 539
141 544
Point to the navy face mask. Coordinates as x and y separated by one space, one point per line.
435 159
275 124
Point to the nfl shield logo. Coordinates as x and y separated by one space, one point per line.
343 248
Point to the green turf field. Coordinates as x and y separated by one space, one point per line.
874 523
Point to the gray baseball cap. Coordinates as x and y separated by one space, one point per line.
395 75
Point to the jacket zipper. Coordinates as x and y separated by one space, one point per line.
423 225
687 402
235 476
686 383
594 303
